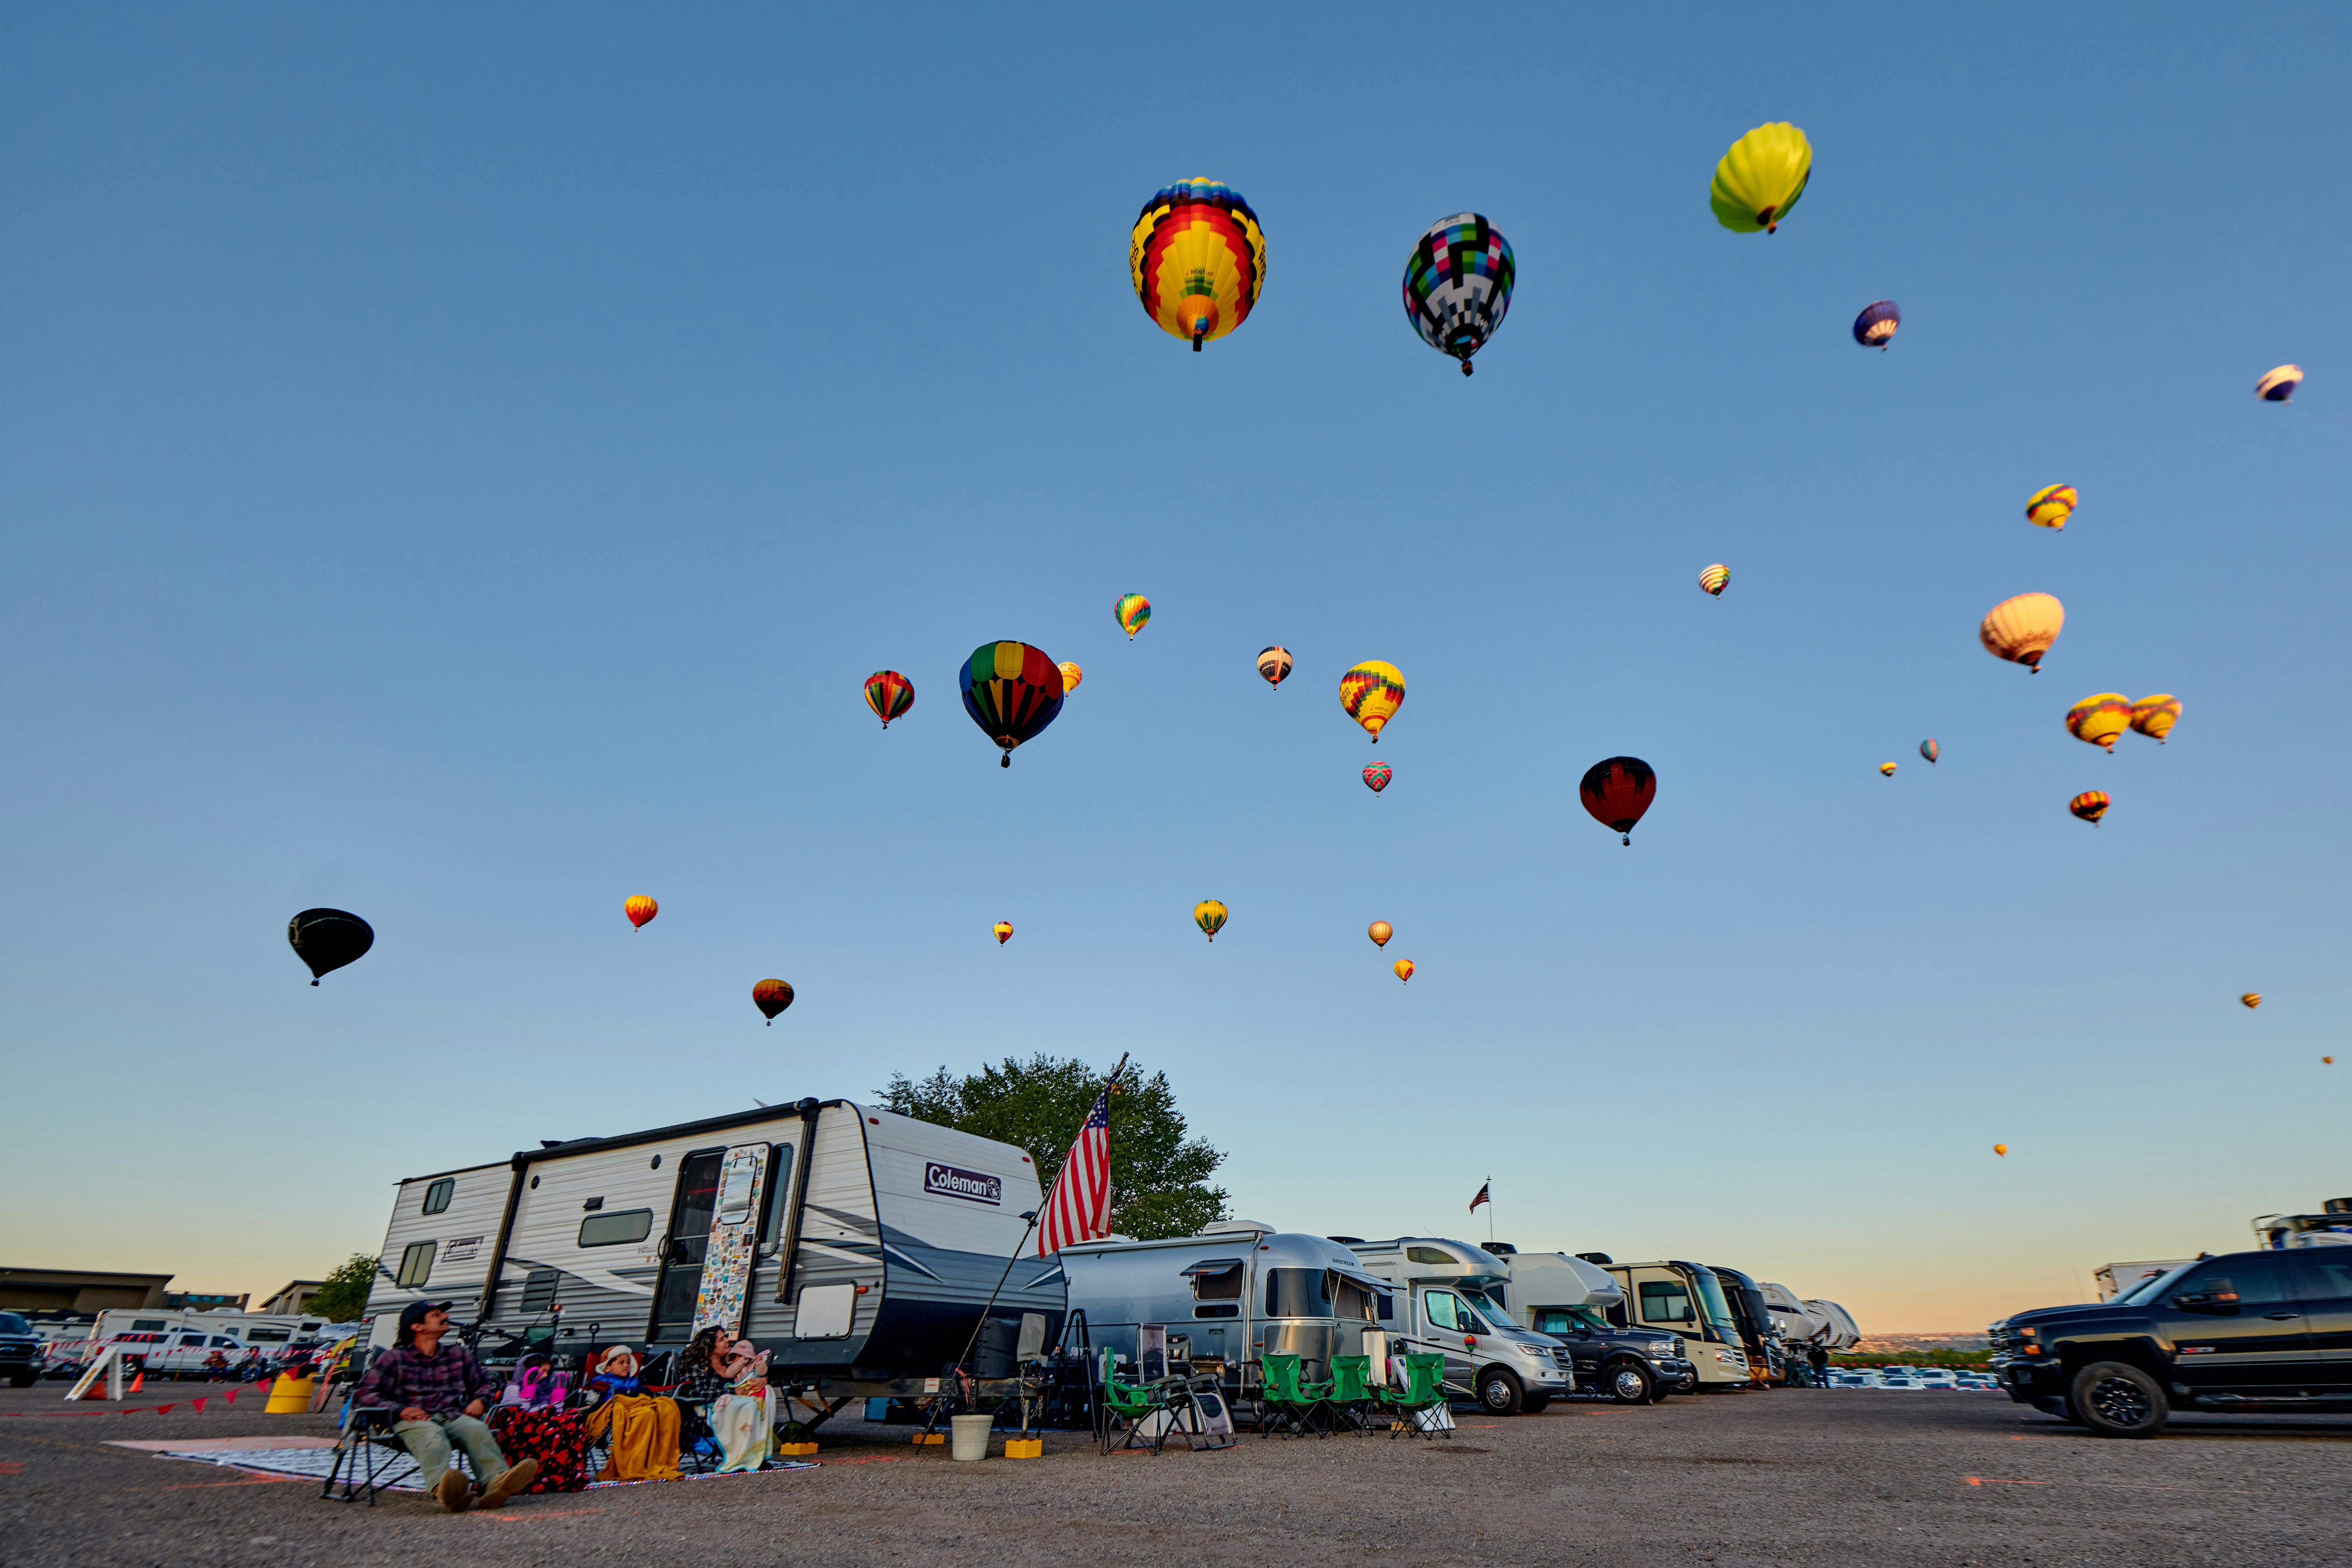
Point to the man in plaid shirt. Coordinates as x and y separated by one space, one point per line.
440 1394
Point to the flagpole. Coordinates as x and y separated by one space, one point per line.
1040 1211
1490 1209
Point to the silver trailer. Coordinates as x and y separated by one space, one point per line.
1238 1291
857 1245
1448 1296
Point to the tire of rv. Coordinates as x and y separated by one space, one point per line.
1499 1392
1630 1383
2116 1399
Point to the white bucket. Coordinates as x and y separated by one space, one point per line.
970 1438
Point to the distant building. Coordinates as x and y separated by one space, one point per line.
294 1296
78 1290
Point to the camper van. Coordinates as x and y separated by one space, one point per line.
1448 1297
1238 1291
858 1246
1567 1299
1689 1300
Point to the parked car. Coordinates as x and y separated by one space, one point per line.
2246 1331
21 1354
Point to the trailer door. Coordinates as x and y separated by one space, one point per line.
727 1255
686 1246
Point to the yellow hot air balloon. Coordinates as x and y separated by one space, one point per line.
2251 999
1886 770
2051 506
1379 932
1760 178
2099 718
1004 929
2022 629
639 909
1715 579
2001 1149
1071 676
1197 259
1403 967
2155 716
2329 1060
1209 916
1132 610
1371 693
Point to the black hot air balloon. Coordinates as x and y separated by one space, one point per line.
329 938
1617 792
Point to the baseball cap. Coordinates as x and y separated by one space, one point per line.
414 1313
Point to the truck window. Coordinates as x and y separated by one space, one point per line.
1296 1293
1666 1301
1444 1311
1554 1320
2231 1283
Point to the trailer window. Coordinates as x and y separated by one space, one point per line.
1297 1293
148 1323
1217 1309
735 1184
437 1196
780 1185
615 1230
1217 1279
1665 1301
415 1264
1429 1254
269 1336
1351 1301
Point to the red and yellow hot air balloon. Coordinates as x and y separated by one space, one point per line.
771 997
2155 716
1403 967
1071 676
1370 694
2090 806
2001 1149
2252 999
639 909
1715 579
2050 506
1379 932
1197 259
889 694
1004 930
2099 718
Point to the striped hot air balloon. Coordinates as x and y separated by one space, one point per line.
1930 749
639 909
1715 578
1012 692
1876 326
1132 610
1002 930
2278 386
2155 716
2022 629
1403 967
1197 259
1370 694
1379 932
1377 776
1274 663
2251 999
1071 676
1886 770
2099 718
1209 916
889 694
2051 506
2090 806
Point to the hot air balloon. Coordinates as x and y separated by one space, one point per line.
2329 1060
1274 663
1457 284
639 909
1071 676
1877 324
1930 749
1371 693
1004 929
1760 178
2251 998
2278 386
1886 770
1379 932
771 997
1403 967
2051 506
1209 916
2155 716
1197 258
1012 692
889 694
1715 579
1617 791
1132 610
329 938
2090 806
1377 776
2099 718
2001 1149
2022 629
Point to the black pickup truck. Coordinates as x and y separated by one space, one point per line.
20 1352
1633 1366
2247 1330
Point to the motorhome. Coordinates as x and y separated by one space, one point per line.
1448 1296
181 1339
2330 1227
2114 1278
1235 1293
1759 1335
1567 1299
1687 1300
858 1246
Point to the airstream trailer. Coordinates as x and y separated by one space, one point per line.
1447 1297
1239 1291
858 1246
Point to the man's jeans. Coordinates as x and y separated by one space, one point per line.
428 1440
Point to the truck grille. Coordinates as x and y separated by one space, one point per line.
2002 1338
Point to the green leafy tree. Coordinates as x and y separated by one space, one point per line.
342 1297
1159 1177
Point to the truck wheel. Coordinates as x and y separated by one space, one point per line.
1630 1383
1499 1392
2116 1399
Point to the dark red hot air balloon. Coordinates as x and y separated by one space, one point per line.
771 997
1617 792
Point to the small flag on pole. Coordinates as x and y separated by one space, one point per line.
1079 1208
1483 1195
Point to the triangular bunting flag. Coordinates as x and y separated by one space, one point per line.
167 1409
200 1405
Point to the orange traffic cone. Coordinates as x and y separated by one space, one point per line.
139 1378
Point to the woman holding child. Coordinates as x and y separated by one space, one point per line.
730 1377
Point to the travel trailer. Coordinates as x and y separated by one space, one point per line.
1567 1299
1238 1291
1844 1333
164 1339
1449 1298
858 1246
1800 1327
1687 1300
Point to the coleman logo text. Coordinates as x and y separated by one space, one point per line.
948 1181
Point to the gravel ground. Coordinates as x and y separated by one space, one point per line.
1792 1477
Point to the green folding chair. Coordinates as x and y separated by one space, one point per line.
1284 1398
1424 1389
1352 1391
1132 1402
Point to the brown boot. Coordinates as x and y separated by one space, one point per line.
453 1490
507 1482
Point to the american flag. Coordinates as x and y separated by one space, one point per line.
1485 1195
1079 1208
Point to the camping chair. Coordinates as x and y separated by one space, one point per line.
697 1444
1352 1391
1424 1390
1298 1406
1135 1403
368 1453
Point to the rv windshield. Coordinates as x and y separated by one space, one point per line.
1711 1303
2150 1289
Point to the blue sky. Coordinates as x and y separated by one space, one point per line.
461 467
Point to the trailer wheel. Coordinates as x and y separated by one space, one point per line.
1499 1392
2116 1399
1629 1383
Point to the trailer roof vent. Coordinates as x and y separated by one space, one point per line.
1223 1226
2337 1205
